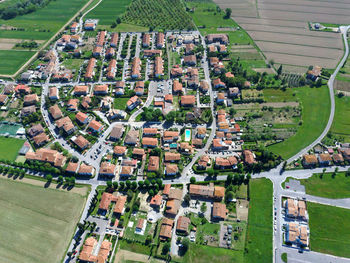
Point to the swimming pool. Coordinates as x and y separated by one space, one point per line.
187 135
173 145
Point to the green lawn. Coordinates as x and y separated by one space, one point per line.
12 60
205 14
341 122
37 224
108 10
134 247
120 103
9 148
259 233
277 95
327 186
199 254
329 229
315 105
122 27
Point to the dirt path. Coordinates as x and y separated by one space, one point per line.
78 190
123 255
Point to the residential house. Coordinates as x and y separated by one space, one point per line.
117 133
40 139
158 67
190 60
107 169
171 169
53 93
213 38
160 40
309 160
226 163
3 99
80 90
90 69
55 112
325 159
248 157
170 136
72 168
166 229
136 68
101 90
182 225
172 157
119 150
219 211
153 163
81 118
188 101
114 40
26 111
35 130
150 132
156 201
30 99
132 137
177 87
95 126
86 170
146 39
112 69
47 156
133 102
72 104
81 142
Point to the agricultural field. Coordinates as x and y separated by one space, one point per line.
12 60
39 25
326 222
315 104
209 19
344 73
32 229
9 148
281 30
158 15
259 234
327 185
108 11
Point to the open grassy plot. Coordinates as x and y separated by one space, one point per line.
198 253
277 95
315 105
327 185
329 229
37 223
120 103
259 233
341 122
11 60
9 148
108 11
158 14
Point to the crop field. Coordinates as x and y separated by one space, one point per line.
37 223
281 29
329 229
39 25
209 20
11 60
158 15
108 10
315 105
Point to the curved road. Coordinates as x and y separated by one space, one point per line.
330 83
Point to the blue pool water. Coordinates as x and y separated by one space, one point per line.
173 145
187 135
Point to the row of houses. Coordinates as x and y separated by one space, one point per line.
326 159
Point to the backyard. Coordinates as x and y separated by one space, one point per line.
329 229
32 229
9 148
259 234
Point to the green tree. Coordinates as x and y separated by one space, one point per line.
49 177
185 244
192 180
203 207
166 248
115 185
228 12
109 184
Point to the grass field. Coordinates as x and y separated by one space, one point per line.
37 223
198 253
108 11
341 122
277 95
259 233
12 60
9 148
315 105
327 186
120 103
329 229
